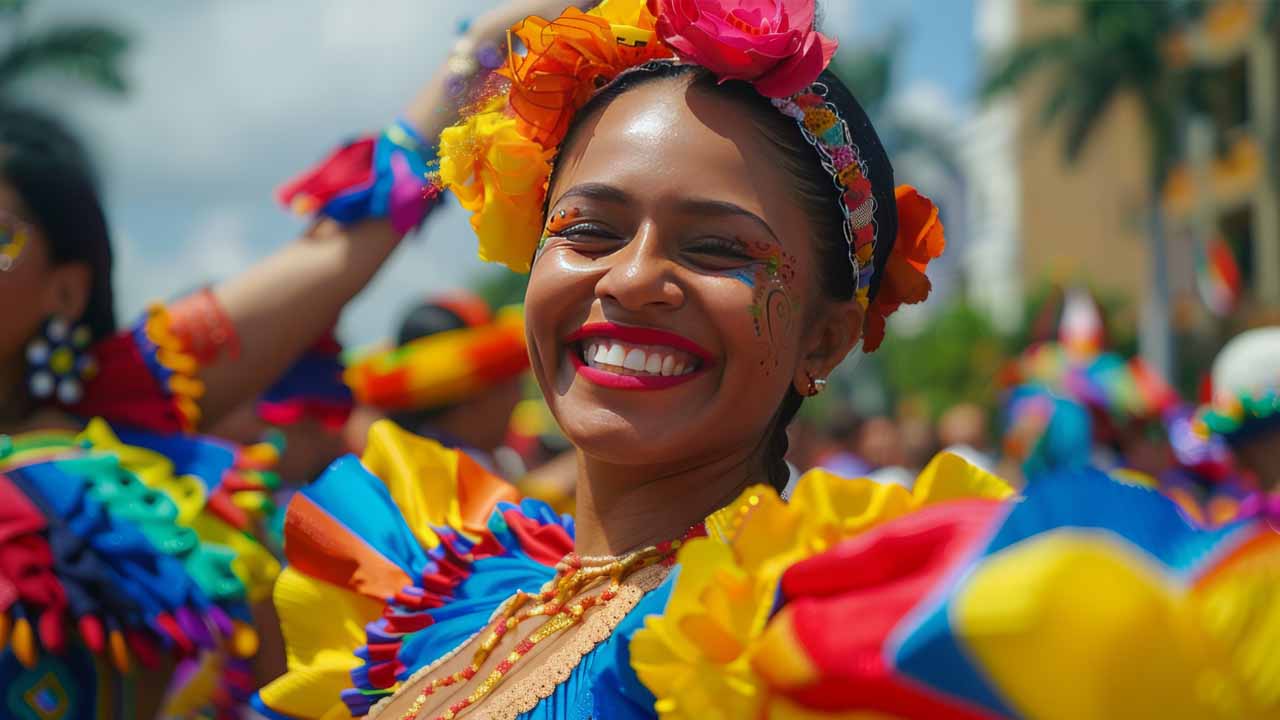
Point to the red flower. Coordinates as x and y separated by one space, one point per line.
769 43
920 240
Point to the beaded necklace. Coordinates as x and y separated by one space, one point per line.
574 575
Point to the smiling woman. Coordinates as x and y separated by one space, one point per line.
710 226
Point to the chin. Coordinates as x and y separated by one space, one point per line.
607 435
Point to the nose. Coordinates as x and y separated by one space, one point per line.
641 275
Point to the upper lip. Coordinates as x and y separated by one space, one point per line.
641 336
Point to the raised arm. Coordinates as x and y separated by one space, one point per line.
281 305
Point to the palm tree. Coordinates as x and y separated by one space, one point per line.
1117 49
868 71
88 52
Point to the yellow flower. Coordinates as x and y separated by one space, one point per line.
697 656
501 177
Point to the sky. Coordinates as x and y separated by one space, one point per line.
229 98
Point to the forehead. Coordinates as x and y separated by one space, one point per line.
667 139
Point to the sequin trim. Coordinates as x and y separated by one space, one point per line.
823 128
525 694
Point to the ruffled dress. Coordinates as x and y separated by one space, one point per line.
127 561
1084 597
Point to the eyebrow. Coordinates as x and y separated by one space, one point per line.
720 208
597 191
692 206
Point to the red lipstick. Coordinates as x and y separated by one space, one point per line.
638 336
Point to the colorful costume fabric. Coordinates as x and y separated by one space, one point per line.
312 388
130 543
144 553
951 600
145 379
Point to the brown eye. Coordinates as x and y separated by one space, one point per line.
720 249
586 231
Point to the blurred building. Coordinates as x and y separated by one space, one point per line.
991 258
1042 218
1035 217
1220 199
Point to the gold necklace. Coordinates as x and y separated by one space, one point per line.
574 575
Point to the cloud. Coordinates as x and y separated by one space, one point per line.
217 246
231 98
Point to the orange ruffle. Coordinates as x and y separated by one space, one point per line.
572 56
920 240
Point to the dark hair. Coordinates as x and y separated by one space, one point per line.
428 318
423 320
51 172
815 190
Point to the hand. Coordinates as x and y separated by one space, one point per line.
434 109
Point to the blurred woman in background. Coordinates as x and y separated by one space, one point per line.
128 541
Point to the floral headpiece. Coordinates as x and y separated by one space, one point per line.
497 161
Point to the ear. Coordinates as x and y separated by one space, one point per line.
66 293
828 341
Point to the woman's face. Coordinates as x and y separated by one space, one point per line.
24 285
675 296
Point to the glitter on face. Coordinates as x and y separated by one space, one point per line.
771 308
556 224
13 238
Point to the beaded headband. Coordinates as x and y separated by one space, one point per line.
829 134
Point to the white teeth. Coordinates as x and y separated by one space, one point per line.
634 361
616 356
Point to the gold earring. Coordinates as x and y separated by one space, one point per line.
816 385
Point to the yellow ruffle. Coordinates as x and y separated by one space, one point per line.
421 474
322 625
185 388
1146 649
697 656
501 178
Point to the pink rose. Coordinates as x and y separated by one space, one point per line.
769 43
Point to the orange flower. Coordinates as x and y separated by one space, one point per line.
571 57
920 240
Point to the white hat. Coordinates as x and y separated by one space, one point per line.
1249 364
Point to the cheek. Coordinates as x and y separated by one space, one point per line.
20 293
770 301
558 298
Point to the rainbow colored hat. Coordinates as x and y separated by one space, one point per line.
445 367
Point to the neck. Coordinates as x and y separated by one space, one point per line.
620 508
